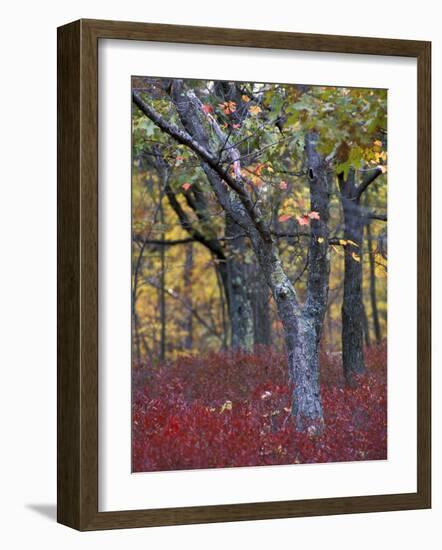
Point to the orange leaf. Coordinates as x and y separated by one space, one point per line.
186 186
283 185
284 217
228 107
255 109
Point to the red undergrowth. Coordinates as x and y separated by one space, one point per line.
233 409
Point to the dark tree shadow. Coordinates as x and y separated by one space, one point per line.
48 511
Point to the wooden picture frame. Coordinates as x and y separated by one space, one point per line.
78 274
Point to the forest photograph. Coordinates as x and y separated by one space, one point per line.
259 274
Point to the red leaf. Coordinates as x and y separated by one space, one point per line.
303 220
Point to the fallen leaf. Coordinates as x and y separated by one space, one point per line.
226 407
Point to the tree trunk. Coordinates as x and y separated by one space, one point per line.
373 298
301 338
352 306
366 327
303 353
162 289
188 267
303 327
135 319
260 305
240 308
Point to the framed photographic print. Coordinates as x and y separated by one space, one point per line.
243 275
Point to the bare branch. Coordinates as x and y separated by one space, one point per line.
163 242
184 138
376 216
368 179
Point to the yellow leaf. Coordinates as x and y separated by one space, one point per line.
255 109
342 242
355 257
226 407
353 243
320 240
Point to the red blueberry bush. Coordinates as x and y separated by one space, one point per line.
233 409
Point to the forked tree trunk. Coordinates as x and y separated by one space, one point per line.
303 326
302 342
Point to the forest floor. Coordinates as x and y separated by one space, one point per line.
233 409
